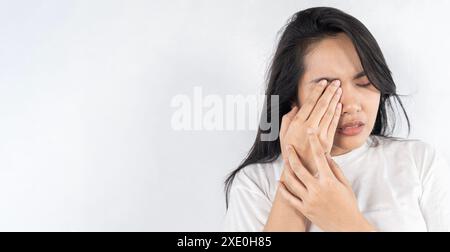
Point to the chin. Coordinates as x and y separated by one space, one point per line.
350 142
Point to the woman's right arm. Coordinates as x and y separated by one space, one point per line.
323 99
283 217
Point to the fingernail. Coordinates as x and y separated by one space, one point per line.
336 83
323 83
339 106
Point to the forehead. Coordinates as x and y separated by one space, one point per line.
334 56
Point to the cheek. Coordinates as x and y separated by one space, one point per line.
303 93
371 104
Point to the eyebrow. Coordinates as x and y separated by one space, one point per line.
330 79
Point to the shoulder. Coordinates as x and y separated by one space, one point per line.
422 154
251 196
396 145
259 177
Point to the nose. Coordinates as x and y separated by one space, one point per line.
351 104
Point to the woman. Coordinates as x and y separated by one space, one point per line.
335 166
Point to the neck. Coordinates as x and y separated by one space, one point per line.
336 151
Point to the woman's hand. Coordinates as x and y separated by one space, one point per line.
320 112
327 200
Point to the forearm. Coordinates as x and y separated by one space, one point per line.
283 217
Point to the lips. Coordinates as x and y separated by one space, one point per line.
351 128
353 124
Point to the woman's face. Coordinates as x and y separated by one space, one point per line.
335 58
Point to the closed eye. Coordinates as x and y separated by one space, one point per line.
364 85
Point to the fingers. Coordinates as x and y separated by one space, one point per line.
334 123
292 200
331 111
337 171
318 155
323 103
286 120
298 168
293 184
308 107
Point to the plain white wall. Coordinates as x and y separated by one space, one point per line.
85 88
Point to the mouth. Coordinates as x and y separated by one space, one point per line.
351 128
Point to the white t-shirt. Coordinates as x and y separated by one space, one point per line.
400 185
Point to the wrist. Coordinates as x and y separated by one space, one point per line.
283 217
364 226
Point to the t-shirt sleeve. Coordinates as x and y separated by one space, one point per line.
435 199
248 206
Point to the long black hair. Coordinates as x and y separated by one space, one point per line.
287 67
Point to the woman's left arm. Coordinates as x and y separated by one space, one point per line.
328 200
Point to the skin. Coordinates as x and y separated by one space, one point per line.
332 91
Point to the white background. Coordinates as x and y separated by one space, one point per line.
85 87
